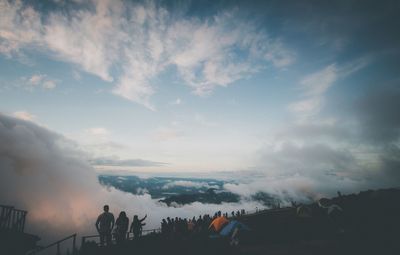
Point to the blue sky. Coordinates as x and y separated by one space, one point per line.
209 86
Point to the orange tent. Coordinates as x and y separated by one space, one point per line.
219 223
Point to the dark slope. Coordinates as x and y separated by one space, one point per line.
369 224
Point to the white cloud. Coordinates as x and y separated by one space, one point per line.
189 184
64 193
36 79
141 40
49 84
318 83
307 107
23 115
83 38
19 26
97 131
315 86
40 80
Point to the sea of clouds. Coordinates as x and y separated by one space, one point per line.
47 175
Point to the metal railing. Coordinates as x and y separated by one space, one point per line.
129 235
58 245
12 219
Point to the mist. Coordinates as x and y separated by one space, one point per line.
47 175
53 179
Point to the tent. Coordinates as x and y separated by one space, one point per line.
304 211
324 203
219 223
231 226
334 208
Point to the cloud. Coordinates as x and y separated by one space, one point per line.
355 150
44 173
20 26
23 115
98 131
83 37
115 161
309 158
314 87
49 84
286 188
40 80
36 79
377 114
189 184
42 164
379 127
389 163
146 40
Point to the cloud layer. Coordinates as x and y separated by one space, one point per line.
45 174
115 161
350 151
132 44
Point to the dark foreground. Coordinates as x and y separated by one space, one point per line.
367 223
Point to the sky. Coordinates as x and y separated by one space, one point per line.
189 86
283 95
186 86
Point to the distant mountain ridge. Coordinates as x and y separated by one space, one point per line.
176 191
209 197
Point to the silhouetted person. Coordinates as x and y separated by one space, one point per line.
136 226
164 227
190 225
122 224
104 225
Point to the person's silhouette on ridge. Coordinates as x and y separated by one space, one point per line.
121 227
104 225
136 226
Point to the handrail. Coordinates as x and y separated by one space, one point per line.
155 230
58 245
12 219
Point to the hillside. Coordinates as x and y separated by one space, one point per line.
368 223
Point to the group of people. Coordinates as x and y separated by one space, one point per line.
178 227
106 226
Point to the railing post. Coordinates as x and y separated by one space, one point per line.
18 221
23 221
74 244
58 249
8 218
13 219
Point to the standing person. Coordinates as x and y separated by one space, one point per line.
164 227
122 224
104 225
136 226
